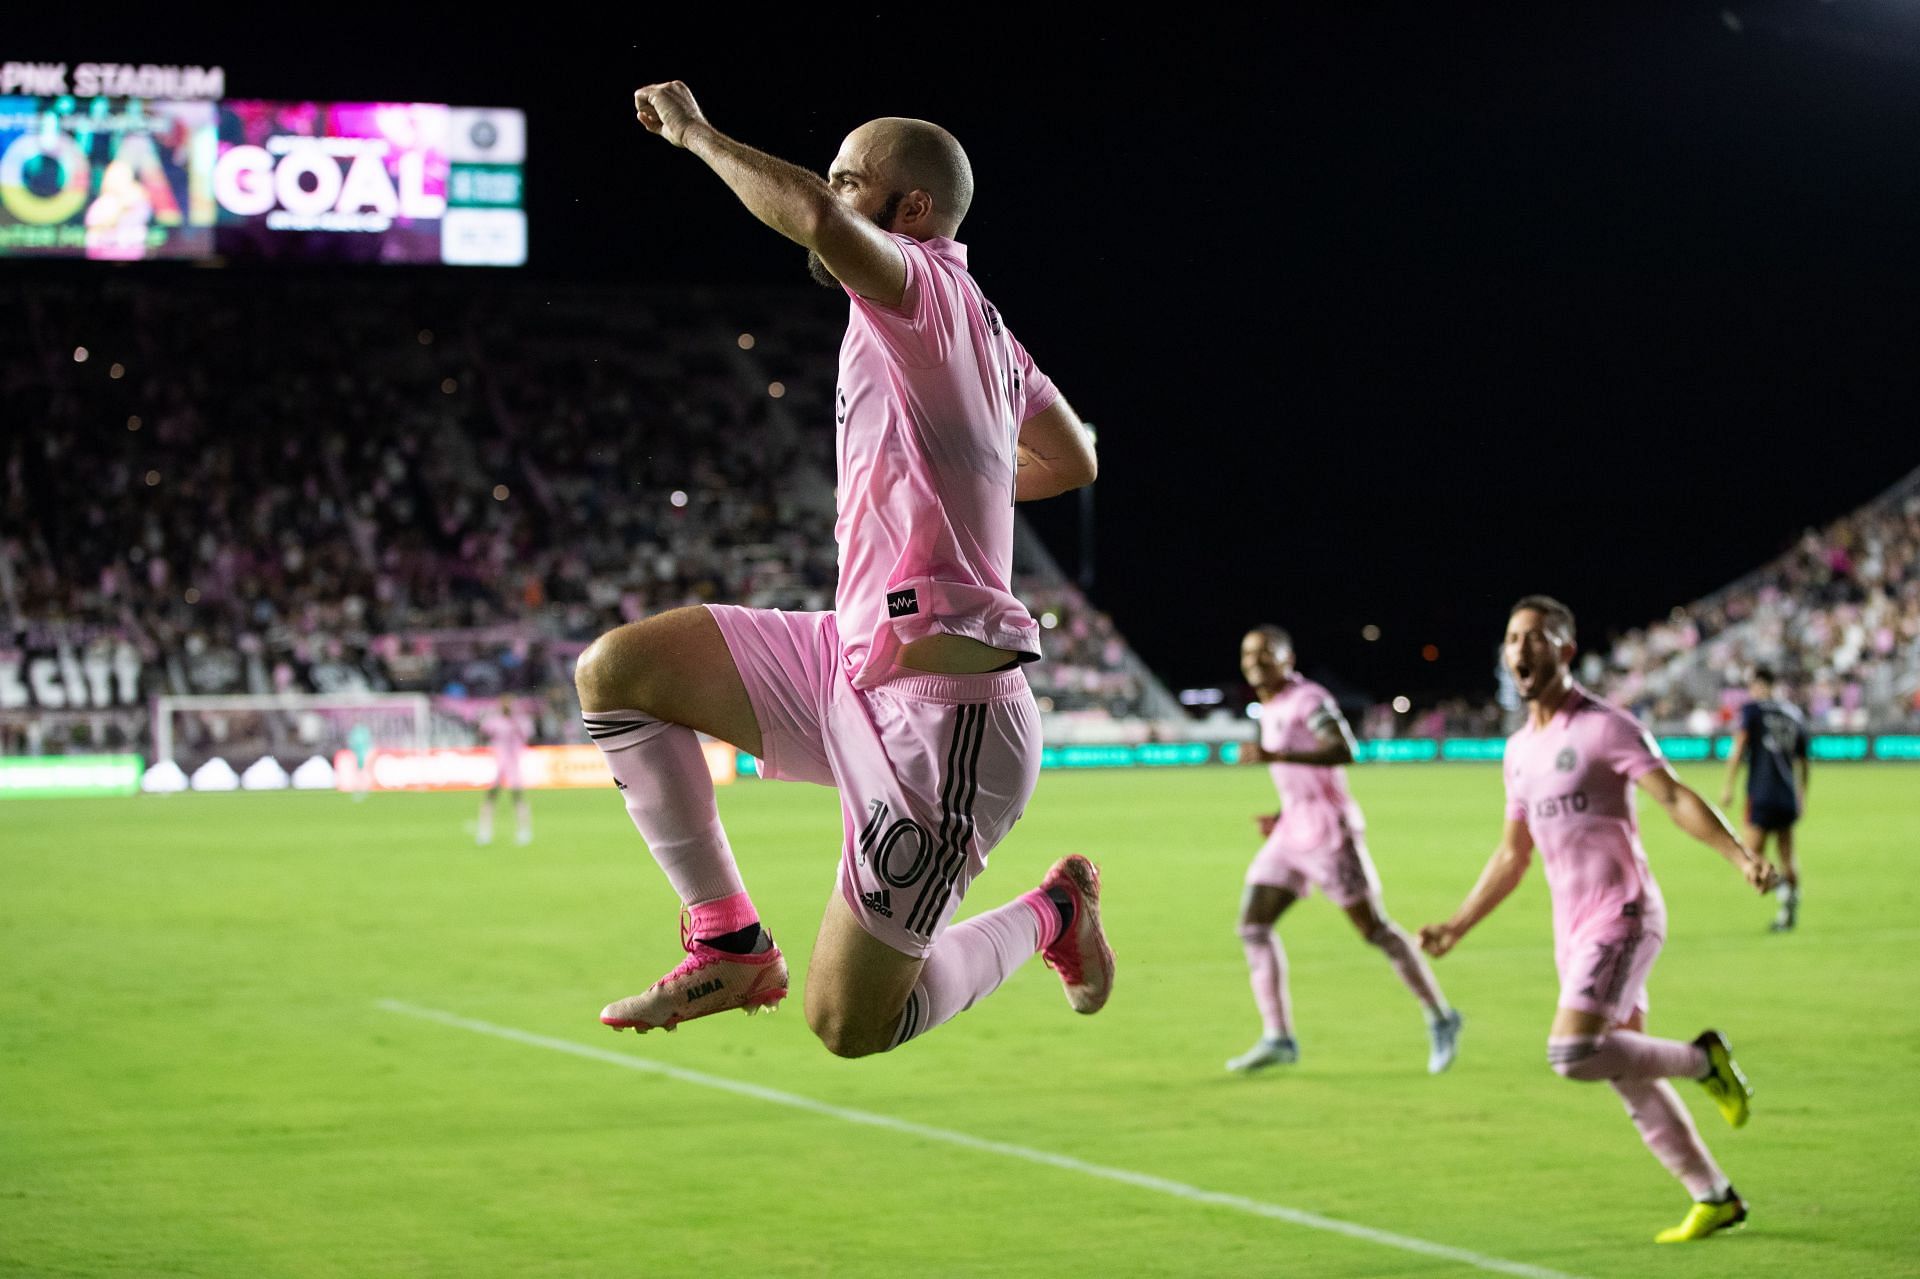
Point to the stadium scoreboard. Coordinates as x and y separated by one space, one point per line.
127 179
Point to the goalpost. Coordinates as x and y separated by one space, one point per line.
189 731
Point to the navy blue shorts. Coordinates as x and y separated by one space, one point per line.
1774 816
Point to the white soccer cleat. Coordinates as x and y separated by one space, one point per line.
1270 1051
1445 1036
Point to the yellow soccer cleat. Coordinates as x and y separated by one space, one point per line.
1723 1081
1703 1219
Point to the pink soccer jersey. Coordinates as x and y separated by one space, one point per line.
929 404
507 733
1292 720
1571 782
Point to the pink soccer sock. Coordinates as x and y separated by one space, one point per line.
1625 1054
663 777
1267 964
1412 967
970 961
1668 1130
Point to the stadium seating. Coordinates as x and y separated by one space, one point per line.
1837 617
348 484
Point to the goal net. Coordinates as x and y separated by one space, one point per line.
290 728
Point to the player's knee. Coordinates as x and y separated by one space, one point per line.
604 673
1254 933
1383 935
846 1036
1576 1058
620 671
590 672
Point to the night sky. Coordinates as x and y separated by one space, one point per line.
1381 319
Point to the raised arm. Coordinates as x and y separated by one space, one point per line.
796 202
1503 873
1055 454
1703 821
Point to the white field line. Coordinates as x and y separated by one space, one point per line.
1143 1181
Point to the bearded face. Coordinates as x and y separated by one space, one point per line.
882 218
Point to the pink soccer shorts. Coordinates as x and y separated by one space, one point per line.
932 770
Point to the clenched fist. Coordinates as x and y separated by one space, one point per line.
667 110
1438 939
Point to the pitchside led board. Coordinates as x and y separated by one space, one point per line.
120 179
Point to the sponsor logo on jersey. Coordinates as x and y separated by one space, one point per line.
903 603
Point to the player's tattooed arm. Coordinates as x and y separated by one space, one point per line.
1054 454
1503 873
796 202
1703 821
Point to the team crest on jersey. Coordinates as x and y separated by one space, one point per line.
902 603
1565 760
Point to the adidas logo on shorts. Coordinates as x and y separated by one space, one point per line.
880 903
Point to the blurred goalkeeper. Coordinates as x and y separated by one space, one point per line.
908 697
1570 772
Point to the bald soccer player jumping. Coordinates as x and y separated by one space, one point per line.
908 697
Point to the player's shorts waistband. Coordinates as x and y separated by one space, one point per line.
958 690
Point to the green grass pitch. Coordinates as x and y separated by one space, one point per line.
197 1076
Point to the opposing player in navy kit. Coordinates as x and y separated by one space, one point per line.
1772 742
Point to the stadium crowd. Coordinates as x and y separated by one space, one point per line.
345 486
1837 616
376 486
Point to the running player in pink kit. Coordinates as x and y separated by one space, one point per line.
507 731
1570 772
1318 838
908 696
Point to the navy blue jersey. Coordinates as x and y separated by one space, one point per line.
1776 737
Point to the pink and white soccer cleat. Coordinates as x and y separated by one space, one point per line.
1080 954
707 981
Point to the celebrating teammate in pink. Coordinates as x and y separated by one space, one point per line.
507 730
1317 839
1570 771
908 697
